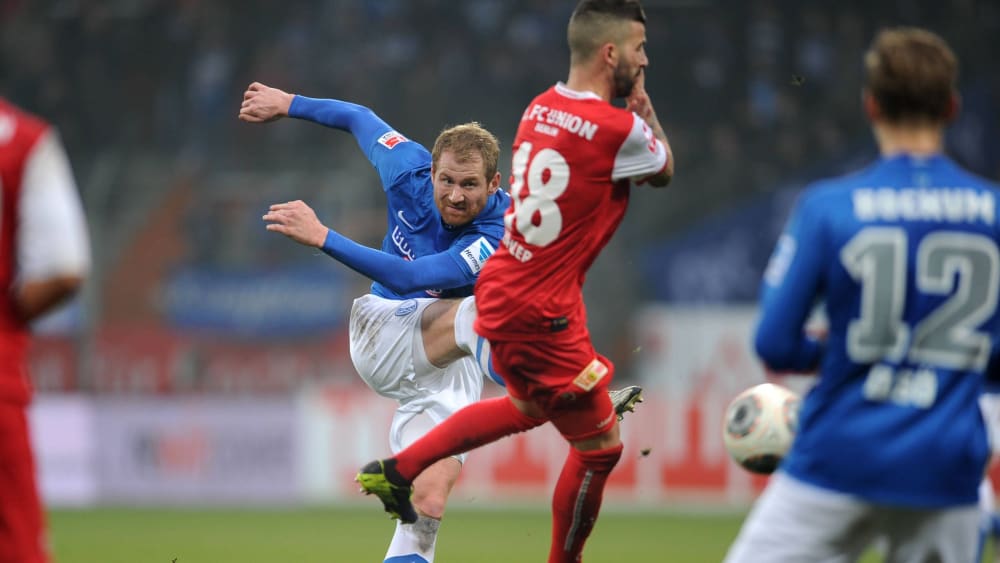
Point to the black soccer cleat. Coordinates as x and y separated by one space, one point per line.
377 478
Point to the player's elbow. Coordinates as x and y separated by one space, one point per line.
408 281
401 287
34 298
777 353
357 115
662 178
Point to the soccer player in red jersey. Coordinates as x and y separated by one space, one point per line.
44 256
575 157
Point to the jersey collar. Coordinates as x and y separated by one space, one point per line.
564 90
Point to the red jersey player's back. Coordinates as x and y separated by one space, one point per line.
574 156
19 133
42 236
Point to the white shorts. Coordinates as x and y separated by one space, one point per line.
388 352
795 522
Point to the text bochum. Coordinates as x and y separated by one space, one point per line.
548 119
949 205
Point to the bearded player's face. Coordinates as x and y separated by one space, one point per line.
631 61
461 189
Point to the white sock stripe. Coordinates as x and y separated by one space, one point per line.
581 496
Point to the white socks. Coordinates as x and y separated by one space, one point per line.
413 543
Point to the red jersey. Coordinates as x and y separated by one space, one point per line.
42 231
575 156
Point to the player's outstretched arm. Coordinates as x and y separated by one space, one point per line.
298 221
262 103
639 103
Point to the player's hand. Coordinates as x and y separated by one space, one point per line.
638 101
262 104
297 221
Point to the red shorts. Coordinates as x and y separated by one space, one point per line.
567 378
22 534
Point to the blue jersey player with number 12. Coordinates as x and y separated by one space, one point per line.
903 255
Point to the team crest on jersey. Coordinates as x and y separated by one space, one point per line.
591 375
391 139
475 254
408 307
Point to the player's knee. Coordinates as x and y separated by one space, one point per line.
600 461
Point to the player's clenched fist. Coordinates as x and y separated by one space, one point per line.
297 221
262 103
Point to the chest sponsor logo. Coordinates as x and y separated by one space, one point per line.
407 308
391 138
475 254
400 242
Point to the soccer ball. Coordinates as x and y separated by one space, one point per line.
760 426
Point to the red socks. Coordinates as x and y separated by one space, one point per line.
579 491
577 500
475 425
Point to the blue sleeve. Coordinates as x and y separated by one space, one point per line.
436 271
791 285
392 155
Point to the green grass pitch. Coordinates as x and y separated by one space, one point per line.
359 534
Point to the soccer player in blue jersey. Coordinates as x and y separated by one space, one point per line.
903 255
411 337
445 217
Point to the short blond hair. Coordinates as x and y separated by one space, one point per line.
466 140
911 73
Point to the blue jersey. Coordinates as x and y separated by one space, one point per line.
421 256
903 256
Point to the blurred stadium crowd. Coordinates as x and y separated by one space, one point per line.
755 95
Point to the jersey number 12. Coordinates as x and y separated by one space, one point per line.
963 267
